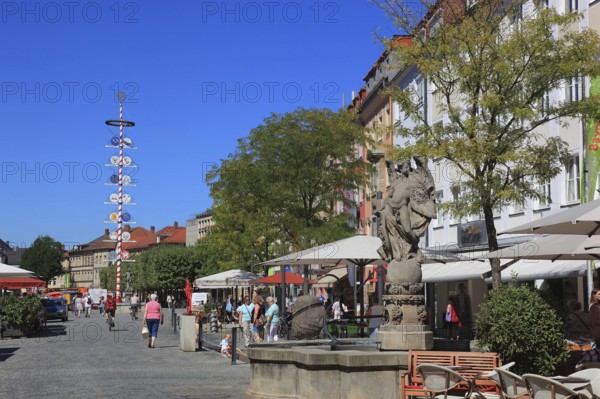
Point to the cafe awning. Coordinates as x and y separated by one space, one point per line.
21 282
524 270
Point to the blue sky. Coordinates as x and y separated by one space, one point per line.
199 75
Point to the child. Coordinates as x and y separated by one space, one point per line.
225 347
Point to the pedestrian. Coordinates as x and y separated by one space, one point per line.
133 304
452 320
258 314
153 315
374 317
169 301
111 306
337 309
87 304
101 306
595 314
272 315
226 346
78 305
245 319
229 309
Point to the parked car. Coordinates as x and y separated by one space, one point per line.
55 308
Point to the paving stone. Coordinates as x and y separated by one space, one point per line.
81 358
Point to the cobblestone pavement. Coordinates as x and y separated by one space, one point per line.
82 359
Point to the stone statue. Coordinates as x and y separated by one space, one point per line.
128 279
407 211
405 215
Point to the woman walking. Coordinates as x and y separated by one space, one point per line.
272 319
257 317
153 314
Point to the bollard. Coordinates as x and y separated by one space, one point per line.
214 322
174 319
187 334
233 345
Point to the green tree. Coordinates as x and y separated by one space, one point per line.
162 267
44 257
280 187
517 323
492 65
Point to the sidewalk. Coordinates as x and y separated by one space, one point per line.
71 359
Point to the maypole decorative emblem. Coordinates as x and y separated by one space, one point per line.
120 180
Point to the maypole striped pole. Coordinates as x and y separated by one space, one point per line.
120 205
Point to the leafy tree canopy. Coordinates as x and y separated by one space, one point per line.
491 66
279 189
163 267
44 257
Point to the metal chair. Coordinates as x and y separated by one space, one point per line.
546 388
512 385
439 381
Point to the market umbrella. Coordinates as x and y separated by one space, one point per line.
553 247
13 283
13 271
290 278
582 219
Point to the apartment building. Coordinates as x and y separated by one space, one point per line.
467 235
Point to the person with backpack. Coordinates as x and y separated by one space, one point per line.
88 305
229 309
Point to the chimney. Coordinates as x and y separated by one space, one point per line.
152 228
128 227
106 232
176 224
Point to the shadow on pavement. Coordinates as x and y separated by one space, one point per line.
53 331
5 353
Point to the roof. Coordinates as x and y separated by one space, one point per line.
140 238
177 238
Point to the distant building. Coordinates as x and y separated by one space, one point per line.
198 227
174 235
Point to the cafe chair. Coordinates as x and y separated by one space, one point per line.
512 385
546 388
441 382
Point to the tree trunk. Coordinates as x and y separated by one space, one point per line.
488 213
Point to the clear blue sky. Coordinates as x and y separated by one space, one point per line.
199 76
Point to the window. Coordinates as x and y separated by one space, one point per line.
439 198
574 90
572 180
545 103
544 188
435 23
572 5
455 192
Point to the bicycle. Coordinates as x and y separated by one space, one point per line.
110 319
285 325
134 312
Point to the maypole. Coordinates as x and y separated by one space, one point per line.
120 182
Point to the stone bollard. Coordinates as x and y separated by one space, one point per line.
187 333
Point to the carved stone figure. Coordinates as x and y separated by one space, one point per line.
128 279
405 215
407 211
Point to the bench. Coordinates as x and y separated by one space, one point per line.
474 364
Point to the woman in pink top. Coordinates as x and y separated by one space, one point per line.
152 315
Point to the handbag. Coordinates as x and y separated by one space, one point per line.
145 332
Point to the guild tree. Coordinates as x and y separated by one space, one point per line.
280 188
44 258
491 66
